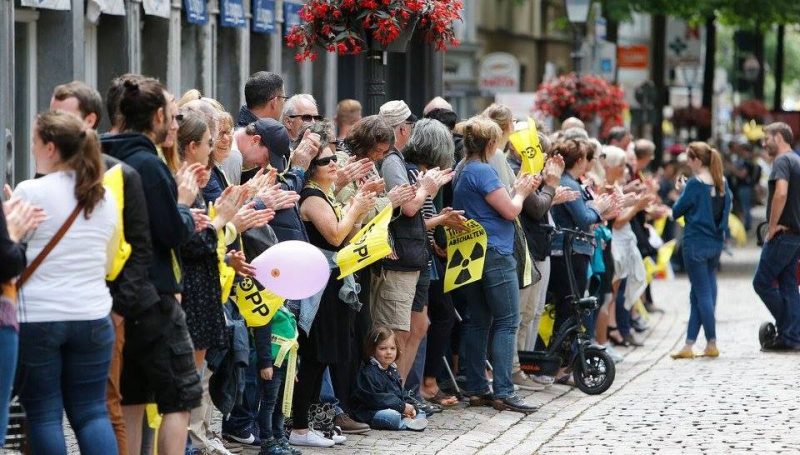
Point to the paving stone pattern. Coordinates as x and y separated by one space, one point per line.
745 401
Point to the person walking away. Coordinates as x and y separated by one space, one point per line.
775 280
705 205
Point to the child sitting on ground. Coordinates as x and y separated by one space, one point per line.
378 398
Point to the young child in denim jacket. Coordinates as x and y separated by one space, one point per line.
379 398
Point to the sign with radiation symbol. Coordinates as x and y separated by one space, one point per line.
526 142
466 251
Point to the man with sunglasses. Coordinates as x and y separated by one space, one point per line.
299 110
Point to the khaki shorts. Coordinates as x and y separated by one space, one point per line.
391 298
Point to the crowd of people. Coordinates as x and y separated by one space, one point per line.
123 258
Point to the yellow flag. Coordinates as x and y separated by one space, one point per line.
257 305
369 245
526 142
226 272
466 251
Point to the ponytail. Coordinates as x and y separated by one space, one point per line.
710 158
479 131
715 166
79 149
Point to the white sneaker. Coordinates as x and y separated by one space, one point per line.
311 439
338 439
216 447
415 424
542 379
615 356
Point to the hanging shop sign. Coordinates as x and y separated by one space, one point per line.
196 11
263 16
231 14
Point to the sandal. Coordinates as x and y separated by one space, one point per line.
566 380
444 400
619 340
481 400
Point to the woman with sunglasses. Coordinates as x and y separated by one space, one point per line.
705 205
328 342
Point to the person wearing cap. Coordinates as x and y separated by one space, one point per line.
396 285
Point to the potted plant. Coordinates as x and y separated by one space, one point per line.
349 27
585 97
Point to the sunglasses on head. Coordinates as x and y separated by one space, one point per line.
326 161
307 117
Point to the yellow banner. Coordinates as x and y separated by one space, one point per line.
526 142
257 305
466 251
369 245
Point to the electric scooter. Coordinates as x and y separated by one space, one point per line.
571 344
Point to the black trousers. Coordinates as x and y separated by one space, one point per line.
442 316
559 284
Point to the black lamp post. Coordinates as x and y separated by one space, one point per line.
578 13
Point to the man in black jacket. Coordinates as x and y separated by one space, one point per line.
131 291
158 354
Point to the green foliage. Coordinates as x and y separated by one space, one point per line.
744 14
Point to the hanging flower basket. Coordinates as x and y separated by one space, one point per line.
752 110
586 97
348 27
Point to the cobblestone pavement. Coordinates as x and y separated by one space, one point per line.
743 401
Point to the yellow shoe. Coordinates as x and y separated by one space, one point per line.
711 352
682 354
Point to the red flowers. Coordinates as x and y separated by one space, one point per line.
585 98
342 26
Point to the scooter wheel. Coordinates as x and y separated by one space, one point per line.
596 374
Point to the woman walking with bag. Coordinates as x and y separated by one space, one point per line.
705 205
66 335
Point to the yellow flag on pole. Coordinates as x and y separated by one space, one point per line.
369 245
526 142
466 252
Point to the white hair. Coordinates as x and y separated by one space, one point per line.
437 103
291 103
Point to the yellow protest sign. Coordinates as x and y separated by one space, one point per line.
466 251
526 142
369 245
257 305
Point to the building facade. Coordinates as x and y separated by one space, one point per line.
211 45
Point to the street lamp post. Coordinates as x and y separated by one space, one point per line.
578 13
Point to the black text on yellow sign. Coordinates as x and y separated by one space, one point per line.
369 245
466 252
257 305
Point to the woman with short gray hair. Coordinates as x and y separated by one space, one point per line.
431 146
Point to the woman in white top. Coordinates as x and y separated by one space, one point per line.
66 335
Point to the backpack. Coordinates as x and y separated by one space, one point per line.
114 181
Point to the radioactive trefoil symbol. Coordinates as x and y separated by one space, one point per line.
458 260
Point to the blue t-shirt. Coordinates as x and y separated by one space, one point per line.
474 182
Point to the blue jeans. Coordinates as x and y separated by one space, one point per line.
389 419
270 415
64 367
744 193
775 282
243 416
9 341
493 304
623 315
701 262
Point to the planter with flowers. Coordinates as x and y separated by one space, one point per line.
352 27
752 110
586 97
